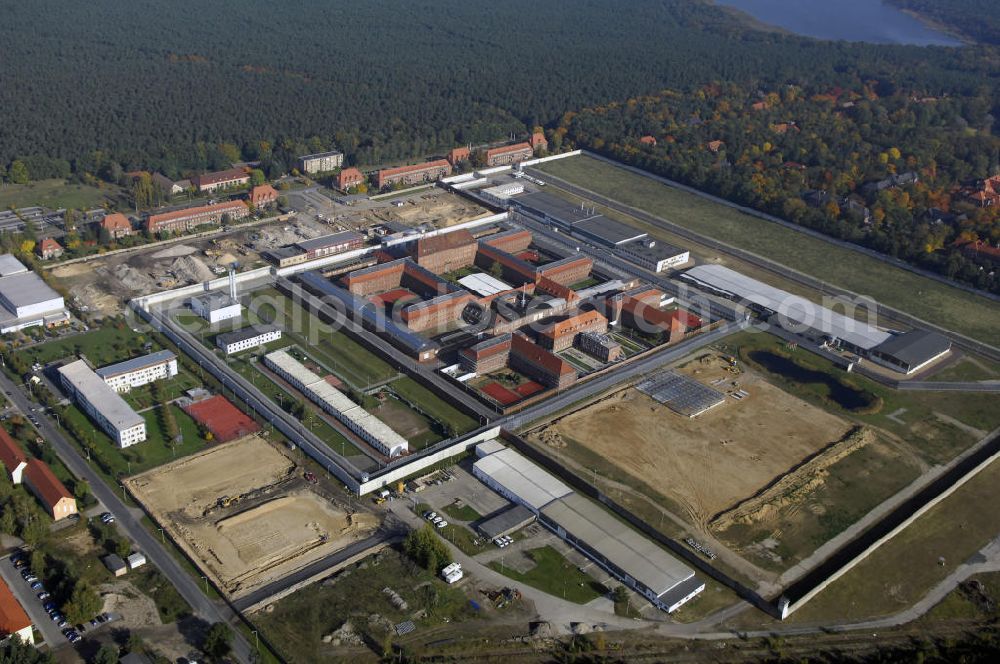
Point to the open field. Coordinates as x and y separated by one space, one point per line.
742 445
550 572
881 585
934 426
109 343
925 298
299 622
239 509
55 194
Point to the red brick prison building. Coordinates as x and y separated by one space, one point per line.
445 252
413 174
564 272
642 311
559 335
234 177
457 155
441 302
486 356
535 362
513 242
509 154
188 218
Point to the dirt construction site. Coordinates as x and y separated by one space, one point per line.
713 463
245 511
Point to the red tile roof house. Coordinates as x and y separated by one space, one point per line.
117 225
49 248
349 177
12 456
58 501
648 141
263 195
13 619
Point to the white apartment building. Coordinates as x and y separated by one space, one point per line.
138 371
102 404
247 338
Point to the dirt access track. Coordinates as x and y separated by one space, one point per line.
243 511
709 463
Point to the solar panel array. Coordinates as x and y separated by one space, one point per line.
681 394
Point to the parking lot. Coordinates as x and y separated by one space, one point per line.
32 605
465 488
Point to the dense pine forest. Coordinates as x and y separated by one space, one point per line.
186 85
98 88
894 171
978 20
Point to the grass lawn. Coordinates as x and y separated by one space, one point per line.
154 451
953 530
55 194
968 369
463 513
141 398
114 342
920 296
961 605
298 622
432 405
555 575
350 360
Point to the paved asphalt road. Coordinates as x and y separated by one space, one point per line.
129 523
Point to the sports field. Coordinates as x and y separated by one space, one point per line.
920 296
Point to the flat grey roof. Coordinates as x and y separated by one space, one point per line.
329 240
26 288
558 208
915 347
792 308
617 543
658 252
136 363
532 485
608 231
320 155
508 520
103 398
243 334
10 265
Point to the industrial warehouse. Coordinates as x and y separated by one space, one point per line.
640 564
905 352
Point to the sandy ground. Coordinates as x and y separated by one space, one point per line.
713 461
122 597
274 525
194 484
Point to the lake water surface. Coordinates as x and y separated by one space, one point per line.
852 20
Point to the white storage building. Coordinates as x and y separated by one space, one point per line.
247 338
519 480
26 300
336 403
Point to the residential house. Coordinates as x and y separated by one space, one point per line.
12 456
233 177
54 496
48 249
349 178
117 225
648 141
538 141
263 196
13 620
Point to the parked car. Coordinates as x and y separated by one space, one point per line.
49 606
63 624
107 517
31 579
56 617
441 524
431 516
311 478
43 595
37 585
74 638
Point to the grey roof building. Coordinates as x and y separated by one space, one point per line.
911 351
